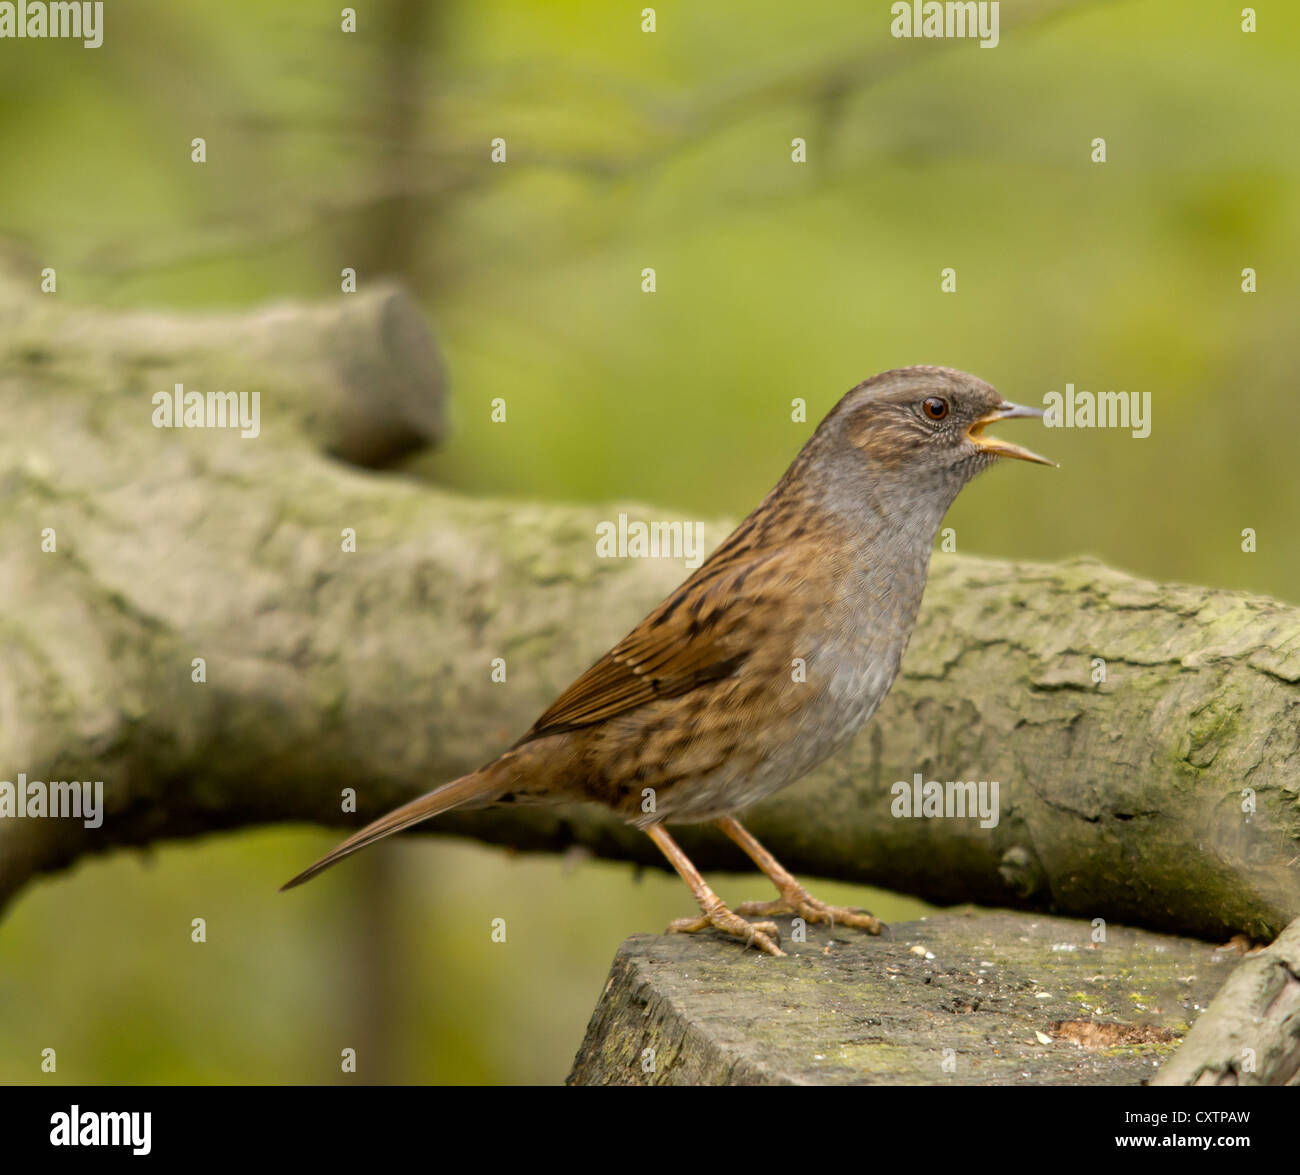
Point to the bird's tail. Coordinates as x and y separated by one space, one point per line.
479 785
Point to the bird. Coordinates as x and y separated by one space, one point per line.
769 658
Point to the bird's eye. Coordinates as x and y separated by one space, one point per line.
935 407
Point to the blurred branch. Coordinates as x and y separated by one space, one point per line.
423 176
1163 795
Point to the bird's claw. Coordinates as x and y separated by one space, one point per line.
804 905
763 935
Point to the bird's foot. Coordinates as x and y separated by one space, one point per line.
798 902
763 935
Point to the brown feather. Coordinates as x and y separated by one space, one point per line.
690 640
450 795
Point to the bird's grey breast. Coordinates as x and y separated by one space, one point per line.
860 654
852 653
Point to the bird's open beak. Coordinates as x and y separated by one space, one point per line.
1004 411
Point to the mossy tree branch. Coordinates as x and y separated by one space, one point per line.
1164 796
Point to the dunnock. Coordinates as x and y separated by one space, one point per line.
771 656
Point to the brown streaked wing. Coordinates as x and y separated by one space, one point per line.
703 632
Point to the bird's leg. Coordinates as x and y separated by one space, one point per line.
794 898
714 913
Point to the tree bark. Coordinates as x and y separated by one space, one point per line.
1165 795
990 999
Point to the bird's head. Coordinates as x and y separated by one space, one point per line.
916 434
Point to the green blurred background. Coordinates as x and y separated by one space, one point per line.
775 280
